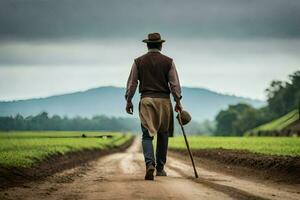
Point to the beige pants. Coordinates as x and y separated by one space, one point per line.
156 115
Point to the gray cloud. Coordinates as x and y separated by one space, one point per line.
52 19
104 52
231 46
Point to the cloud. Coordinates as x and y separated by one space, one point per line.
236 67
121 52
72 53
53 19
68 45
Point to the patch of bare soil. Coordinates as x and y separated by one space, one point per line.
278 168
55 163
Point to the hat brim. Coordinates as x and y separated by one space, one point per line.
153 41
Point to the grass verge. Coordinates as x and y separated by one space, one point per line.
24 149
29 156
282 146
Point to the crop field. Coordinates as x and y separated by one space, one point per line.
23 149
278 124
265 145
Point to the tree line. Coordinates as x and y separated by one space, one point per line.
282 97
43 121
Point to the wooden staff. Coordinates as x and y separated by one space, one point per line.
187 144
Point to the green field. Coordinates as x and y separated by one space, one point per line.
277 124
23 149
265 145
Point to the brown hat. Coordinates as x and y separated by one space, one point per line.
185 117
153 38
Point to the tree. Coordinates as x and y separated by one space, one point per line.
284 96
43 122
225 120
236 119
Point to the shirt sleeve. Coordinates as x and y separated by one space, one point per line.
174 83
132 83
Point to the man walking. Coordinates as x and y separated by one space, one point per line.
157 77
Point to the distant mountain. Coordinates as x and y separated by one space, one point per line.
201 103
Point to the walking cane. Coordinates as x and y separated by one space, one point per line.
187 144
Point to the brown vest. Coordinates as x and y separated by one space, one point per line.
153 69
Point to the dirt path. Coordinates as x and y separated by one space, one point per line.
120 176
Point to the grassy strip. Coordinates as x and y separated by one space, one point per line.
266 145
24 149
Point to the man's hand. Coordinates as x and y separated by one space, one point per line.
178 107
129 108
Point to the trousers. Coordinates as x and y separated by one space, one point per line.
161 149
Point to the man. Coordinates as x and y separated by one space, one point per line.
157 77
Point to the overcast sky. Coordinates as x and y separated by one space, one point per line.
56 46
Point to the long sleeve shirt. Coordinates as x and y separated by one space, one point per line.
173 79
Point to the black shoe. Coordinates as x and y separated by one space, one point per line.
149 172
161 173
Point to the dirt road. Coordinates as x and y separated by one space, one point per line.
120 176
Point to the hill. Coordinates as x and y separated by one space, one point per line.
285 125
202 103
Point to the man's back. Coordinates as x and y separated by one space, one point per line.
153 69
